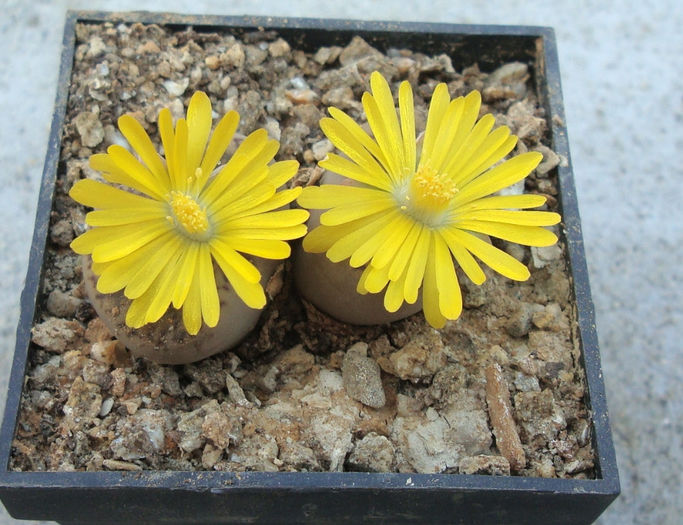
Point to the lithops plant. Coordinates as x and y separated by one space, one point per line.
164 230
410 214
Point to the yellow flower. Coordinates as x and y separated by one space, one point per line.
407 218
158 241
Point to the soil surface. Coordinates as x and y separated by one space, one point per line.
499 391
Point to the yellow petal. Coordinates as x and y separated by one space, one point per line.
502 176
139 140
437 109
149 268
331 195
430 295
167 135
198 129
192 309
282 234
250 149
226 255
375 279
343 214
344 247
522 218
180 169
405 252
387 121
394 296
116 217
377 178
407 112
137 311
488 153
416 266
220 140
465 260
526 235
126 169
450 126
376 242
186 270
470 146
526 200
268 249
359 134
210 304
244 206
387 251
278 200
129 237
282 172
251 293
162 290
115 275
99 195
497 259
450 298
273 219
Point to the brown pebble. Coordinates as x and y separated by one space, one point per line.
115 464
500 413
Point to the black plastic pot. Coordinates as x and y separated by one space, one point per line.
260 497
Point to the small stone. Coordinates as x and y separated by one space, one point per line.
104 351
89 128
211 455
176 89
500 412
544 255
550 159
340 97
235 392
373 453
148 47
519 322
106 407
420 358
96 47
62 304
213 62
62 233
142 434
234 57
97 331
361 375
279 48
222 427
327 55
308 114
115 464
356 50
322 148
301 96
483 464
539 415
549 318
55 335
84 400
118 377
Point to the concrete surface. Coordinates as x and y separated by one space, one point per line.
623 96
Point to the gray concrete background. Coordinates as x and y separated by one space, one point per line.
623 93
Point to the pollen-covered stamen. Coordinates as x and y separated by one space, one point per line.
187 214
431 191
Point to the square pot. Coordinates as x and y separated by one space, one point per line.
256 497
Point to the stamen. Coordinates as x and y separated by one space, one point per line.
187 214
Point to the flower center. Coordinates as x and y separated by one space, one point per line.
188 215
427 195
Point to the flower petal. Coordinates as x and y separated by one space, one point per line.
502 176
364 228
522 218
359 135
407 113
437 110
497 259
192 308
251 293
119 216
343 214
186 270
210 304
526 235
112 242
129 171
471 144
384 122
416 267
220 140
228 256
347 168
405 252
273 219
103 196
139 140
494 148
281 172
198 129
149 268
464 259
450 297
498 202
394 296
330 195
430 295
268 249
